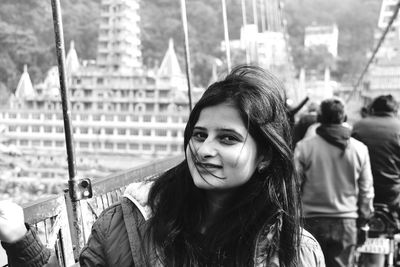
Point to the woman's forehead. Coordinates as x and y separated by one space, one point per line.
221 116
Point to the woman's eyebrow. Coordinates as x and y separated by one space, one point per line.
199 128
229 130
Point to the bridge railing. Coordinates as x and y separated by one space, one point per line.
49 217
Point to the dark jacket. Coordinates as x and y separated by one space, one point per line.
381 134
117 239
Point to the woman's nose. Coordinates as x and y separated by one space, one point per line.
206 149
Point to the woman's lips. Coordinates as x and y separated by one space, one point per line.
209 168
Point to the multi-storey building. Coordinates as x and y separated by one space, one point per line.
121 112
383 74
322 35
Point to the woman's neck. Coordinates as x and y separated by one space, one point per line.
217 201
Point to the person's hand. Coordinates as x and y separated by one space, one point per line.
12 226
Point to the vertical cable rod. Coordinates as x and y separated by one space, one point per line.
226 35
244 18
187 52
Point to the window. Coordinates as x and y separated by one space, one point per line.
48 116
84 117
36 143
24 128
23 142
35 129
121 146
24 115
161 119
147 118
146 147
84 130
161 147
59 129
109 131
12 115
96 117
36 116
47 143
109 146
161 132
121 131
134 118
59 143
109 117
47 129
84 144
146 132
134 146
121 118
96 145
134 132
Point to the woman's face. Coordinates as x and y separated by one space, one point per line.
221 153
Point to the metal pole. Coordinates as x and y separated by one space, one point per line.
187 52
255 17
244 35
262 11
60 50
226 34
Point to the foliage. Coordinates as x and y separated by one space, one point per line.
27 37
356 20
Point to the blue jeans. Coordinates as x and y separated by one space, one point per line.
337 237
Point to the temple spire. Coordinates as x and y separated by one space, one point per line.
170 66
72 61
24 87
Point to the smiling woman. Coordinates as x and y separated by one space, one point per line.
222 155
232 202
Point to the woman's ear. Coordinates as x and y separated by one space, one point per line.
265 161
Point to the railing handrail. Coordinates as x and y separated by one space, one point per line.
48 207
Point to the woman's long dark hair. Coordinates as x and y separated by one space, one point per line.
268 201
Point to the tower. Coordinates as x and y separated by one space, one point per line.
119 41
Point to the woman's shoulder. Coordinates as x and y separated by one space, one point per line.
307 239
137 193
134 197
310 251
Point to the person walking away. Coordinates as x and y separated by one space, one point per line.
380 132
336 188
305 120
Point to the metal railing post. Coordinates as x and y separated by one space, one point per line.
74 206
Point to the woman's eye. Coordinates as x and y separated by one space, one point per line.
199 136
229 139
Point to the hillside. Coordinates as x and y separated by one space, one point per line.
26 33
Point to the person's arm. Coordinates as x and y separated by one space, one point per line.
21 244
366 188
